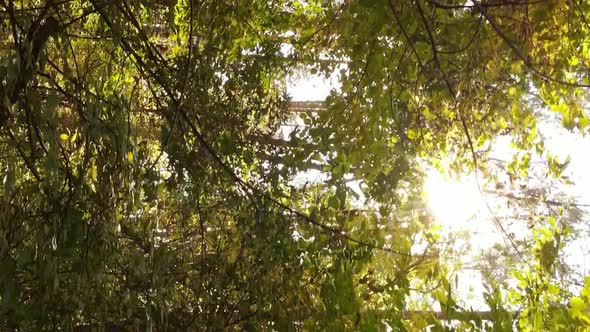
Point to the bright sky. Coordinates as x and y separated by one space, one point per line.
459 206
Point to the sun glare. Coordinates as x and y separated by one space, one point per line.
453 202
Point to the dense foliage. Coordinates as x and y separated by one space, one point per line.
149 182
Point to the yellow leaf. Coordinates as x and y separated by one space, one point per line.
64 137
94 172
577 304
130 156
512 91
578 309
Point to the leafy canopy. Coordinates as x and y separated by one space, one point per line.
147 185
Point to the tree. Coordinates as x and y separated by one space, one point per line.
145 185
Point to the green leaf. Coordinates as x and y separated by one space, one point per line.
334 202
